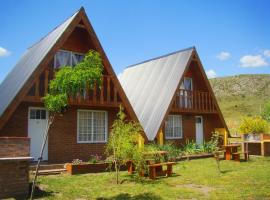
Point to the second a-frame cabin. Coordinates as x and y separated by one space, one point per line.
84 129
173 99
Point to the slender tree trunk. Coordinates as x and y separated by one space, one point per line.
45 137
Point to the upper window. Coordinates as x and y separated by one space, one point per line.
173 127
67 58
92 126
186 84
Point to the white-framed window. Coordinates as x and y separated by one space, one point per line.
173 127
67 58
92 126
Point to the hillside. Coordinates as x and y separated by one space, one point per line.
241 95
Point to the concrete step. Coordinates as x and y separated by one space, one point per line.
50 172
47 166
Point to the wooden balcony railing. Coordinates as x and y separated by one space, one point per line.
193 101
104 95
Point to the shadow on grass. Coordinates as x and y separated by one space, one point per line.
145 180
126 196
39 193
225 171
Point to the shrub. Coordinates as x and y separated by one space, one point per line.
95 159
254 125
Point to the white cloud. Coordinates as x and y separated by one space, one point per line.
223 55
211 73
266 53
253 61
4 52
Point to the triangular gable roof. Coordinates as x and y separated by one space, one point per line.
151 86
31 63
30 60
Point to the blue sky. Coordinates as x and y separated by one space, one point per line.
232 37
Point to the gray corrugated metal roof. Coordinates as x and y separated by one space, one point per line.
150 87
30 60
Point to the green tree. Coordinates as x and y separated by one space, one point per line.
122 145
69 82
254 125
266 111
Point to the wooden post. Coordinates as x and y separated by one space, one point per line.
108 89
102 91
95 93
262 148
115 95
46 81
160 138
37 88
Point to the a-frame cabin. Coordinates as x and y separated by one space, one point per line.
173 99
84 129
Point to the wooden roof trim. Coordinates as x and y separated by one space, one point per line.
210 90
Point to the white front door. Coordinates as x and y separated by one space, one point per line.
199 129
37 122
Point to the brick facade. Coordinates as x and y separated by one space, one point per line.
63 146
14 167
210 122
14 147
62 139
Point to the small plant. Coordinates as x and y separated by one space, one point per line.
189 148
122 145
76 162
173 151
254 125
95 159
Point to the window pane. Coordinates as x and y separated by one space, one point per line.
173 126
98 126
62 58
43 114
91 126
37 114
32 114
76 58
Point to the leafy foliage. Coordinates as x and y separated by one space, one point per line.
72 81
122 145
254 125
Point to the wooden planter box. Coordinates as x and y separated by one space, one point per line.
84 168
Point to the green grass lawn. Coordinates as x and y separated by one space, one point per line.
195 179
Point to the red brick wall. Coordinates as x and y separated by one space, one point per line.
210 122
62 141
18 123
14 179
63 146
14 147
14 174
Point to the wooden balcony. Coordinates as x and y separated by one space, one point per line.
193 102
105 95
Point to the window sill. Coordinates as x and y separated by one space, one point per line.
103 142
174 138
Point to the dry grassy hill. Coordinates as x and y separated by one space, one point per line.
241 95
